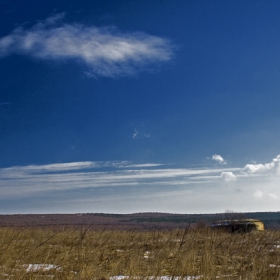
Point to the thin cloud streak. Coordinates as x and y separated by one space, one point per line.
137 182
72 166
106 51
81 175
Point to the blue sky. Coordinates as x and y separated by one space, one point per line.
139 106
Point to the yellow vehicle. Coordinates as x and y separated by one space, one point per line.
244 225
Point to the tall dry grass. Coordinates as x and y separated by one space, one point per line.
85 253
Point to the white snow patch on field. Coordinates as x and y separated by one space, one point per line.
123 277
43 267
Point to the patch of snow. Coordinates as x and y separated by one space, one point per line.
123 277
274 265
166 277
44 267
146 254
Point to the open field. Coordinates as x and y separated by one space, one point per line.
84 253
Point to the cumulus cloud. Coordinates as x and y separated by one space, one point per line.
219 159
273 166
252 172
228 176
106 51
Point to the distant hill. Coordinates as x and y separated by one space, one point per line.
144 221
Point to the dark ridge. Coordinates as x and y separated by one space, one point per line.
132 221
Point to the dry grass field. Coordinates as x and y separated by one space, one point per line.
83 253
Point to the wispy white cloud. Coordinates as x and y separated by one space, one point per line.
68 167
138 183
143 165
219 159
258 194
106 51
273 195
89 174
56 167
135 134
140 135
80 175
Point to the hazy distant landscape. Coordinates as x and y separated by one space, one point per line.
143 221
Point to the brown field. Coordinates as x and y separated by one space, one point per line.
86 253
